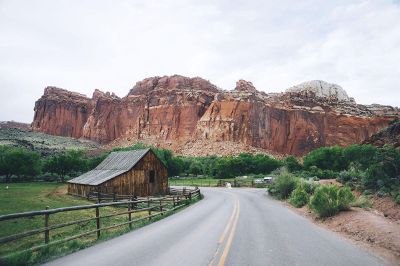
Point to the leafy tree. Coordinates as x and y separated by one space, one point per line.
326 158
195 168
19 162
175 166
360 155
292 164
69 162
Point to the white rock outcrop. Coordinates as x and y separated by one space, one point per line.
321 89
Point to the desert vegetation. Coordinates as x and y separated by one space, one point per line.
365 168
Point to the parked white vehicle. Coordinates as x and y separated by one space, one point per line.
268 179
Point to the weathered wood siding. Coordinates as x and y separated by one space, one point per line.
79 189
134 182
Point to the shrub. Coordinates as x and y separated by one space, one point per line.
362 202
345 198
299 197
283 185
308 185
324 201
398 199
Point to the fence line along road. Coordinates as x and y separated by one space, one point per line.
154 206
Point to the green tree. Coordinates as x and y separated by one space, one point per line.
326 158
19 162
68 162
292 164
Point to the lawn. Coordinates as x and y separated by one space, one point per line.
22 197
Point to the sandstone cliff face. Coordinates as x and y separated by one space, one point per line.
181 111
62 113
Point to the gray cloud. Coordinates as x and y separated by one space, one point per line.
83 45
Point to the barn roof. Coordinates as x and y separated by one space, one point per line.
114 165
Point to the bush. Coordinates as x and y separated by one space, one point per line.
283 185
299 197
345 198
398 199
325 201
308 185
362 202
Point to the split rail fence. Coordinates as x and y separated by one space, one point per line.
152 206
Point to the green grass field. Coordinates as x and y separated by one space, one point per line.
22 197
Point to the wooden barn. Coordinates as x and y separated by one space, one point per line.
138 173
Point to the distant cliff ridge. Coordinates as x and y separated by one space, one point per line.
180 112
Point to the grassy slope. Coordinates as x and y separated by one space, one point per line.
40 142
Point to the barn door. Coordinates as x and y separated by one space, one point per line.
151 181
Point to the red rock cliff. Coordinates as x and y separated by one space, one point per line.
179 110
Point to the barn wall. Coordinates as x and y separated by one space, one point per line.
79 189
136 181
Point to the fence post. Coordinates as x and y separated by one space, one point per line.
161 207
46 225
130 214
98 221
98 197
148 206
190 195
114 196
135 204
173 201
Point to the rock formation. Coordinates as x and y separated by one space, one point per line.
179 112
389 135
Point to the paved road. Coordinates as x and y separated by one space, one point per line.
229 227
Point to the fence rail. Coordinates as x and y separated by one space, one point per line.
154 206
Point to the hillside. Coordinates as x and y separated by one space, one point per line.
43 143
179 113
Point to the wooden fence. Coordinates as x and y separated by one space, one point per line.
154 206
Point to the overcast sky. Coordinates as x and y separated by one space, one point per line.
110 45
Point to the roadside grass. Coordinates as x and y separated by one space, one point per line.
36 196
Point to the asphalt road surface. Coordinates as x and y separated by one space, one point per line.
228 227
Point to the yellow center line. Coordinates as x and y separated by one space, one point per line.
227 227
222 238
230 239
